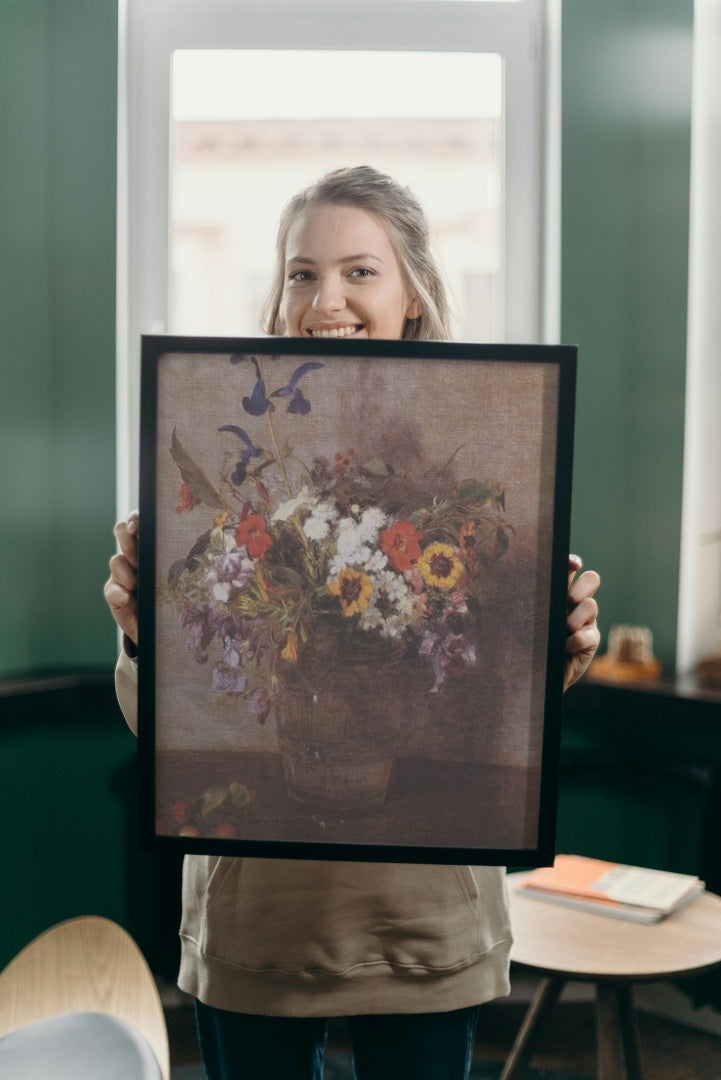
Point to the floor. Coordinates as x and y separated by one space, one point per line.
669 1050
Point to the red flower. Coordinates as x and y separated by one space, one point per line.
253 535
401 543
343 462
187 500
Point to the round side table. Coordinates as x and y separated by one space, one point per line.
563 944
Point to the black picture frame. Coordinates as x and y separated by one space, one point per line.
346 547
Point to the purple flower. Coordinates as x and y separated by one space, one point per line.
258 402
232 655
450 654
227 573
228 679
298 403
201 632
260 702
251 450
223 624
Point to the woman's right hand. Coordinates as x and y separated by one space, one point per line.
121 587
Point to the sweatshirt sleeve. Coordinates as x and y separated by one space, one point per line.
126 688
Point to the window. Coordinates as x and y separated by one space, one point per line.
227 107
237 156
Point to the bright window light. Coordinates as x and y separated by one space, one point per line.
252 127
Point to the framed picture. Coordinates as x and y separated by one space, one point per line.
353 572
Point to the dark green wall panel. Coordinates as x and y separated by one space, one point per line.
58 78
626 145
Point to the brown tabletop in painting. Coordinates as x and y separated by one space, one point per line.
487 804
563 944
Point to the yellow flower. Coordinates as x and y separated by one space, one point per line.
290 649
353 588
220 521
440 566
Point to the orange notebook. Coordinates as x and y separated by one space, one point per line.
632 892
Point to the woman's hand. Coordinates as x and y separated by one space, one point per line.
121 587
583 635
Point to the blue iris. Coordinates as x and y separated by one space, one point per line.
258 402
251 451
298 402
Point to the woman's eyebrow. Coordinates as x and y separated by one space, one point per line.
361 257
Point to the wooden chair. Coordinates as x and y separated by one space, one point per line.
83 985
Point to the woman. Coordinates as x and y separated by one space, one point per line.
271 948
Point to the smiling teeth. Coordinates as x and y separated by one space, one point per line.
340 331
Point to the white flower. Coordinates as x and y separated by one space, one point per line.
372 521
318 522
355 540
350 545
302 500
316 528
391 608
378 561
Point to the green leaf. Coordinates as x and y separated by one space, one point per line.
376 467
212 800
480 491
193 476
176 572
240 795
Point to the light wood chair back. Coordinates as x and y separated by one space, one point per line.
86 964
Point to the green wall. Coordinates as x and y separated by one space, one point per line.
625 200
69 776
58 73
626 135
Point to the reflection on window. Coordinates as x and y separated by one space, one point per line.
251 128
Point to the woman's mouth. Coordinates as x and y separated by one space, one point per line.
335 331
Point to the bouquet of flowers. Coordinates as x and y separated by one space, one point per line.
295 556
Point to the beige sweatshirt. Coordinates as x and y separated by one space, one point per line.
286 937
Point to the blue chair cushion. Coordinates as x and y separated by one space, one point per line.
78 1046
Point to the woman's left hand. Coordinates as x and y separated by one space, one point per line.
583 635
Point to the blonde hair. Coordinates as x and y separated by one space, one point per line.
403 217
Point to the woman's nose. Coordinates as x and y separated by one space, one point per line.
329 295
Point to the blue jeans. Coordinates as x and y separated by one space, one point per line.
415 1046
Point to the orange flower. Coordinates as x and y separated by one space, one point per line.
401 543
290 650
252 534
353 588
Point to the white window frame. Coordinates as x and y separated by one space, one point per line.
699 597
526 34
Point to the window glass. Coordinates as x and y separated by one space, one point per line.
251 127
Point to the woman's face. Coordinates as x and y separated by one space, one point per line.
342 277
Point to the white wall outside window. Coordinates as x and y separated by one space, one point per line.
523 33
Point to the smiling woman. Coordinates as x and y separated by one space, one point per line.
337 294
353 259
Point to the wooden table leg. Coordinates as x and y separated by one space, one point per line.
617 1033
545 997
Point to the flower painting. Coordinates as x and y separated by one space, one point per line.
348 555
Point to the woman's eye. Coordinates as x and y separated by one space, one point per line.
362 272
300 276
